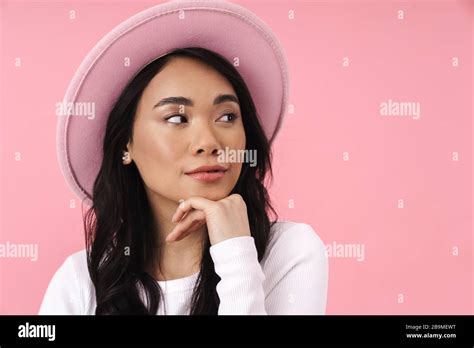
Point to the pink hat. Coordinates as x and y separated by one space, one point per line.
220 26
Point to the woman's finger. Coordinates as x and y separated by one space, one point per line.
190 223
183 232
195 226
191 203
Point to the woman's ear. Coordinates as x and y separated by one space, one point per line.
127 154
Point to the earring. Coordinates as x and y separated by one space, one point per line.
126 157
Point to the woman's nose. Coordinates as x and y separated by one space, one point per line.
205 140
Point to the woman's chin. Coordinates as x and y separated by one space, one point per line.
211 194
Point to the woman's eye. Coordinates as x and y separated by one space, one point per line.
175 119
178 119
231 115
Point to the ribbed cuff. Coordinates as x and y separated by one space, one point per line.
241 287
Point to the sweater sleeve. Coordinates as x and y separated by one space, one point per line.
297 273
292 280
63 294
240 289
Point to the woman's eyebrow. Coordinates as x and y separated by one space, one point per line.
221 98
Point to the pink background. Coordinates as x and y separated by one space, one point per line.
408 251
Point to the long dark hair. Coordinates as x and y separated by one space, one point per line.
119 227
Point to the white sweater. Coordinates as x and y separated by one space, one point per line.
292 278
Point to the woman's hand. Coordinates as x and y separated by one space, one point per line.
226 218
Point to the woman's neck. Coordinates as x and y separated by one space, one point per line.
179 259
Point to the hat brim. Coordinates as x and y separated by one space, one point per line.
220 26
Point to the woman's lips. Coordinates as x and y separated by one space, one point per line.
207 176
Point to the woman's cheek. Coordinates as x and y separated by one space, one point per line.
241 141
158 157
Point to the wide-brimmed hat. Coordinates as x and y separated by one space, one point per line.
220 26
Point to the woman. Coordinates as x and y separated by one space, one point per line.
175 229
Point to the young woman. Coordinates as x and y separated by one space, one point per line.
173 228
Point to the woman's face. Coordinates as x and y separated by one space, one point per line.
173 137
